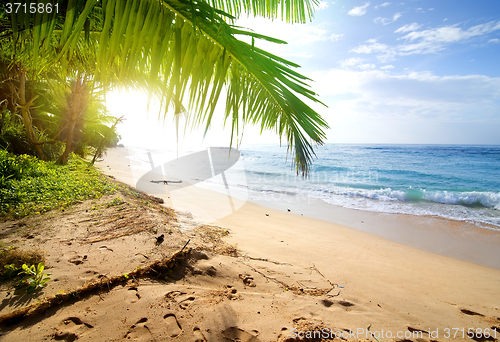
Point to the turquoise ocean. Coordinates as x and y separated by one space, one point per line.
450 181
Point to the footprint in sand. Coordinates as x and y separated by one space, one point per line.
247 280
198 335
235 334
173 294
205 268
172 325
70 329
326 302
76 322
78 259
345 303
65 336
231 293
140 332
133 295
471 313
184 304
412 330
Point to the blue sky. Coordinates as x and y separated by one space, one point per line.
399 72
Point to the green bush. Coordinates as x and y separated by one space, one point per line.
28 185
16 167
14 139
32 276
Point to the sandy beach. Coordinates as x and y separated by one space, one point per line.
293 277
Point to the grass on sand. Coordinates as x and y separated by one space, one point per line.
31 186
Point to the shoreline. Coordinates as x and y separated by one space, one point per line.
452 238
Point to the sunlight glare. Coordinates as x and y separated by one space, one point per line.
149 129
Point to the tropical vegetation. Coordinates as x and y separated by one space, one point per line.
57 67
32 186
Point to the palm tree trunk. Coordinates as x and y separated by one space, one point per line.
77 103
26 116
63 159
101 144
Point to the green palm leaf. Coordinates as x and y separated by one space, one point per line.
185 50
293 11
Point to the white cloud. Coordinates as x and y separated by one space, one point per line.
384 52
416 86
385 4
494 40
450 34
425 41
310 34
408 28
371 47
356 62
366 66
322 5
386 21
352 61
417 107
335 37
298 35
359 11
387 67
433 40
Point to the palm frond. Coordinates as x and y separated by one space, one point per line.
185 49
292 11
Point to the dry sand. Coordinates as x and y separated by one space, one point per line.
290 274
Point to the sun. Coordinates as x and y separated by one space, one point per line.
145 127
142 126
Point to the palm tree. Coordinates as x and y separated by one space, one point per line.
184 50
21 97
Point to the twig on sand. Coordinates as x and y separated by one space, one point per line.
185 245
268 277
157 268
328 280
267 260
165 181
336 295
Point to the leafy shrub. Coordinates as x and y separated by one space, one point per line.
33 277
17 167
28 185
116 201
13 138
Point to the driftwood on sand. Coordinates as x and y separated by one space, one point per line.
158 269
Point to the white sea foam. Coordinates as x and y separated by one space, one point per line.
340 182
